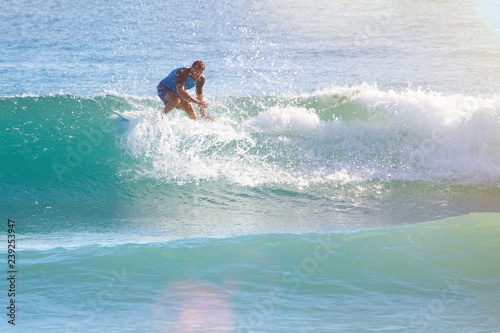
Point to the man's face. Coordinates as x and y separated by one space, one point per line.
196 73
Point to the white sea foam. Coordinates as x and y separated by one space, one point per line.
429 136
409 135
286 120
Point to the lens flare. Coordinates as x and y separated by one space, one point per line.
490 10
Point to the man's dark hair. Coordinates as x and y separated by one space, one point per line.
198 64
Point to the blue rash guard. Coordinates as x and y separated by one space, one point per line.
170 83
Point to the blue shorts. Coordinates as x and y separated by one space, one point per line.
162 91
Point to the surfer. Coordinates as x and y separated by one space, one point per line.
172 90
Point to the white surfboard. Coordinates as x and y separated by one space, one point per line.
125 116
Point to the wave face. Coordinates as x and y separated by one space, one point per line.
344 134
339 153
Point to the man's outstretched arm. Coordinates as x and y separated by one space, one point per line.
203 107
185 96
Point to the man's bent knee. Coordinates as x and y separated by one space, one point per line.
173 100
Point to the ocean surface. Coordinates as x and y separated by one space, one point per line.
349 183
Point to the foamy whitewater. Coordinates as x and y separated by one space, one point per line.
350 181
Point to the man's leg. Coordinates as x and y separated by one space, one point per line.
171 101
188 107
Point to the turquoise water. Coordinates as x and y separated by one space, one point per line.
350 182
412 278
